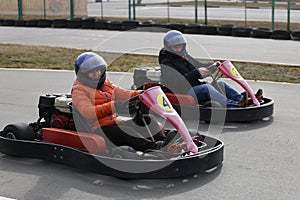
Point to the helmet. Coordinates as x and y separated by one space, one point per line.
89 61
173 38
86 62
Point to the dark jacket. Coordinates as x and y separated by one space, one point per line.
179 73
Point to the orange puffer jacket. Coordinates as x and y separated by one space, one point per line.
97 105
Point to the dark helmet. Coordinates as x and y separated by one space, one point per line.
89 61
174 38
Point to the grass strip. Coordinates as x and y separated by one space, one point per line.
41 57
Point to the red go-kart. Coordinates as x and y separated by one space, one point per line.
188 108
61 135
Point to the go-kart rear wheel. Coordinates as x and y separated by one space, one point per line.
19 131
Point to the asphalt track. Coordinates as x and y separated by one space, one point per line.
261 158
202 46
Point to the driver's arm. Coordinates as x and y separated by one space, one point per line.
84 103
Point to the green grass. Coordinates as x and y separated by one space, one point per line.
39 57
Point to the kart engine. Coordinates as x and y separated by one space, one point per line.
56 112
142 76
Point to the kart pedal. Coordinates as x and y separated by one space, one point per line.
259 94
176 148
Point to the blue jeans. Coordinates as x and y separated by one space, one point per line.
208 92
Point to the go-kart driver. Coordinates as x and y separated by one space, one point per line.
180 72
97 99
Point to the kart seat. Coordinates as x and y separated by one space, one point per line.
182 99
81 123
83 138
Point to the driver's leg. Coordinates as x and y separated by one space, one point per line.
230 92
145 123
207 92
121 135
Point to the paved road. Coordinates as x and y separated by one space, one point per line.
261 158
202 46
120 9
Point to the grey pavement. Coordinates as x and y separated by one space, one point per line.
261 158
201 46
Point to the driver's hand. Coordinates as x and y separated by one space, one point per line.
203 71
121 107
217 63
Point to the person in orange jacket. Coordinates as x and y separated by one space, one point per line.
98 100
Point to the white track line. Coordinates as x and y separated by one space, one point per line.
5 198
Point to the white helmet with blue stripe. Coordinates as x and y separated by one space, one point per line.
174 38
89 61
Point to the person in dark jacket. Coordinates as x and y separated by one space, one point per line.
181 73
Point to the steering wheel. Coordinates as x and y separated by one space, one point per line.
214 73
136 107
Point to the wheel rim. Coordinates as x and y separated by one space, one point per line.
11 135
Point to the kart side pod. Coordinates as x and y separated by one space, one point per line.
156 100
92 143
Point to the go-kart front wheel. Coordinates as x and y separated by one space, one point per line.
19 131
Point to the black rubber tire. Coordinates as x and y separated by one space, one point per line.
242 31
60 23
192 29
261 33
128 25
8 22
114 25
1 22
88 23
101 24
209 30
295 35
281 35
161 27
178 27
145 24
19 131
75 23
225 30
44 23
20 22
31 23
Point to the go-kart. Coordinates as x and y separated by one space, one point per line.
188 108
62 135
